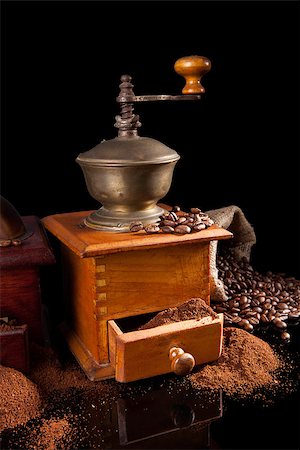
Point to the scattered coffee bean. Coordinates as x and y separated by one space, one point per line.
279 323
5 242
259 299
285 336
136 226
248 327
16 242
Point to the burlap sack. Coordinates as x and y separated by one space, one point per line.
232 219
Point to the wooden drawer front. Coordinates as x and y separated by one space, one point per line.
137 282
145 353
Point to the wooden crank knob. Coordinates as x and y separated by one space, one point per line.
192 68
181 363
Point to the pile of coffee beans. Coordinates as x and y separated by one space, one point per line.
176 221
7 325
255 299
9 242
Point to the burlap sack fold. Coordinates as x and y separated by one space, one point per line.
232 219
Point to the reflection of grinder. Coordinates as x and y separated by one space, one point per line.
182 415
112 276
129 174
159 413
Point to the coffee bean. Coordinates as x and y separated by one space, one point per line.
264 318
167 229
5 242
199 227
175 209
255 303
220 309
168 223
237 319
173 216
136 226
181 220
16 242
254 321
282 305
269 298
278 323
285 336
248 327
195 210
189 220
243 322
294 316
182 229
243 300
152 229
232 303
284 318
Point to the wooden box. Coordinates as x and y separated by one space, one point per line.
14 348
108 276
20 296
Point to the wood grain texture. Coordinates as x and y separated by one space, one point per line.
86 242
92 369
14 348
80 295
20 298
145 353
152 280
192 68
107 278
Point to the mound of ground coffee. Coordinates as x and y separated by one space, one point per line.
51 434
195 308
20 400
51 375
246 363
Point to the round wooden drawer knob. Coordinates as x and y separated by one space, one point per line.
181 363
192 68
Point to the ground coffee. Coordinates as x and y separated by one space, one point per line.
195 308
20 399
51 375
246 363
51 434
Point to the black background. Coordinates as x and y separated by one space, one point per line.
61 63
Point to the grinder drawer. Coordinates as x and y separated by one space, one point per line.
145 353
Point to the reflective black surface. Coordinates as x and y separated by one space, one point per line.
166 412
